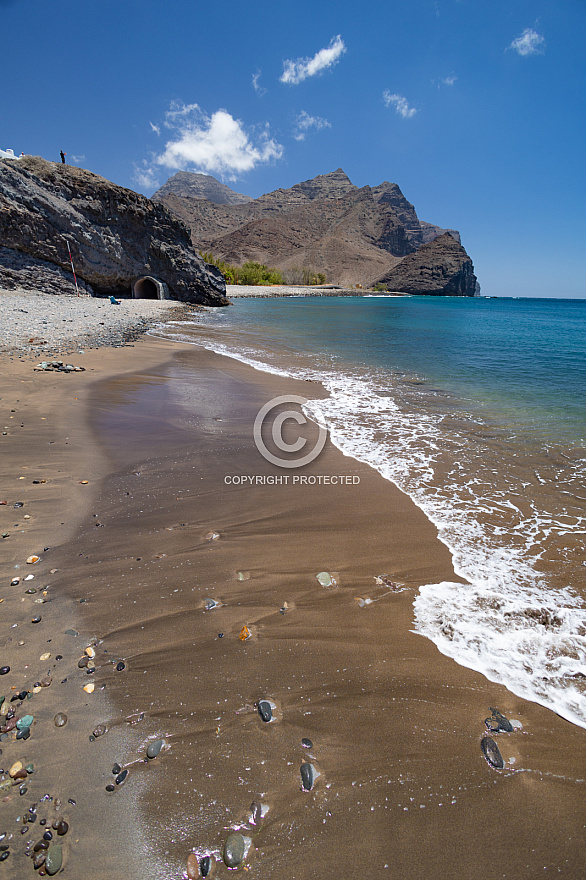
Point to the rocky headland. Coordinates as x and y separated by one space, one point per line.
440 267
116 237
327 224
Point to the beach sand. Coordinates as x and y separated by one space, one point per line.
159 430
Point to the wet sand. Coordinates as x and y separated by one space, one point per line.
403 790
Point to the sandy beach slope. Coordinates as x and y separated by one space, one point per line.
158 431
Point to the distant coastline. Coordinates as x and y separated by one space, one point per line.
233 291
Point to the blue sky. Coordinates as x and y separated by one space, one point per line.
476 109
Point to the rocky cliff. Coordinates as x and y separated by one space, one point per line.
439 268
116 236
326 224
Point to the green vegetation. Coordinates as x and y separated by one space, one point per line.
257 273
249 273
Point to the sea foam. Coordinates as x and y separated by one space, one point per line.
507 621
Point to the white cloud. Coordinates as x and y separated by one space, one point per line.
400 104
155 128
529 43
145 176
296 71
449 80
260 90
305 122
214 144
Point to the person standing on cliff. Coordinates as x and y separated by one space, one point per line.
63 155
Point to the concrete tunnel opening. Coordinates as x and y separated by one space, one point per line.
149 288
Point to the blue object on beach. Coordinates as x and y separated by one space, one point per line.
114 301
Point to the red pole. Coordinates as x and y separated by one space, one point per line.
73 268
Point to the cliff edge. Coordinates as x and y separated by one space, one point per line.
116 237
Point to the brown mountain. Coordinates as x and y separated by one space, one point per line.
326 224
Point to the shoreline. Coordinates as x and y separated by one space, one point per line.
235 291
427 748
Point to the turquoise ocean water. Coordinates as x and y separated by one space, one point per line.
476 408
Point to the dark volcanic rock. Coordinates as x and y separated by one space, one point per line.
116 236
440 268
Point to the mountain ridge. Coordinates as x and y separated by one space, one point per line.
325 224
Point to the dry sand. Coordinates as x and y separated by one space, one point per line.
403 789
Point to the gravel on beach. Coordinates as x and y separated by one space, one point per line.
32 322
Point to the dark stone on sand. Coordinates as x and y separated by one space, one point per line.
490 750
41 844
110 787
306 743
120 666
24 733
234 849
307 776
4 855
205 866
36 619
4 670
48 835
61 827
116 769
60 719
498 723
154 748
39 860
100 730
19 503
83 661
121 777
265 710
54 859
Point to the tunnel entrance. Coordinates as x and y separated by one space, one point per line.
148 287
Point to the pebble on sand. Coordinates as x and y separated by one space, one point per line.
60 719
54 859
328 579
16 767
32 560
265 710
89 688
491 752
308 776
244 633
235 849
498 723
154 748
